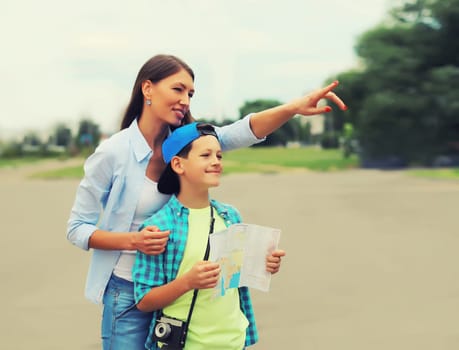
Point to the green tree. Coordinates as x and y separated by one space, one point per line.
88 135
62 136
305 135
32 139
402 99
32 144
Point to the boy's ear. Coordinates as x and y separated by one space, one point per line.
176 165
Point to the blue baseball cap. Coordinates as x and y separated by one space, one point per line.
181 137
178 139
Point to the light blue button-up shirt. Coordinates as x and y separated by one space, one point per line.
107 196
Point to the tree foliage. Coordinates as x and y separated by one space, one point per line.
88 135
403 98
62 136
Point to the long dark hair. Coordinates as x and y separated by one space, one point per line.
155 69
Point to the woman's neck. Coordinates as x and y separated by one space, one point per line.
154 131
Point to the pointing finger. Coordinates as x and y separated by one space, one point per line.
324 91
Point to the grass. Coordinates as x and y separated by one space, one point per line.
16 162
73 172
264 160
259 160
441 174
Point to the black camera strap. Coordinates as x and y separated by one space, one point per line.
206 256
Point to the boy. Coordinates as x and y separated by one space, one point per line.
169 283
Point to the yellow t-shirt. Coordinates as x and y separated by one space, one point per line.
217 322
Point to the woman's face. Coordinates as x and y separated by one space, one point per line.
170 97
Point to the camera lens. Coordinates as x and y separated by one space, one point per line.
162 330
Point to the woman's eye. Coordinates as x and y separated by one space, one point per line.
219 156
190 95
178 89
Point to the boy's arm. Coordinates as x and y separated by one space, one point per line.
160 297
203 275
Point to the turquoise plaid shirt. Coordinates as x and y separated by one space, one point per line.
156 270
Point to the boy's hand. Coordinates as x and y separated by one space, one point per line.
150 240
273 261
203 275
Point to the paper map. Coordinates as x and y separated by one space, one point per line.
241 251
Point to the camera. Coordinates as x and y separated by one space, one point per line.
171 332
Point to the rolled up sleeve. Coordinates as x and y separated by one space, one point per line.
147 273
90 199
237 135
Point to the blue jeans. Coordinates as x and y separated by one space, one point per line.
124 327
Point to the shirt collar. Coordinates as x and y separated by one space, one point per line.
179 209
176 206
221 210
140 145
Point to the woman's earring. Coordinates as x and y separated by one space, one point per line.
148 102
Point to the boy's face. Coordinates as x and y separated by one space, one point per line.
203 166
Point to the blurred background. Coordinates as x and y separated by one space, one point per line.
68 70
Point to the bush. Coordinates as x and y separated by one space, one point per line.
329 140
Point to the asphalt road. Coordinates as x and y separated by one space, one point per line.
372 262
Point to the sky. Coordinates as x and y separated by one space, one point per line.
63 61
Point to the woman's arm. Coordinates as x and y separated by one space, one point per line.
90 199
265 122
203 275
256 126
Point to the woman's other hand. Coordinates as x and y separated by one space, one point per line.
150 240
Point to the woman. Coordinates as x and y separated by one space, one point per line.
119 189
